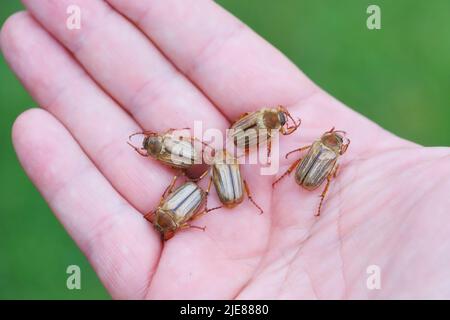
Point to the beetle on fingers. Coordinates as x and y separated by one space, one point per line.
177 208
255 128
173 150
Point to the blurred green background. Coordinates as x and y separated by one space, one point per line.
398 76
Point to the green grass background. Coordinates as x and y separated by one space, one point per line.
398 76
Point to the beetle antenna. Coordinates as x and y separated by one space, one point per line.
290 129
291 152
332 129
138 150
145 133
345 146
135 134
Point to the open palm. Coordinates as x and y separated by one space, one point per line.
163 64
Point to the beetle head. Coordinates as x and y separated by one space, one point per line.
149 144
165 224
283 118
152 144
336 140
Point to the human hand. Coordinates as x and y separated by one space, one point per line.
388 206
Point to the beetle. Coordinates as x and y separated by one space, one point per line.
226 175
171 149
254 128
320 163
177 208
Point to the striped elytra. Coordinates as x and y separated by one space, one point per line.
227 179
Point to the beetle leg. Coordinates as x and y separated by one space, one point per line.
299 149
241 116
332 174
209 186
169 189
322 196
335 171
138 150
207 192
188 225
203 212
288 171
247 190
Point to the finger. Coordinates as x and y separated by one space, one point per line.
239 71
101 127
236 68
121 248
221 226
130 68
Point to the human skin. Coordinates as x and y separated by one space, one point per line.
163 64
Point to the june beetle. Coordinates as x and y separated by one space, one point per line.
177 208
320 163
255 128
169 148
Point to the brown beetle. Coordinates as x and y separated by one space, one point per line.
177 208
173 150
254 128
320 162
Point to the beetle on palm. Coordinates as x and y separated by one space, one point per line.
320 163
178 208
226 175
